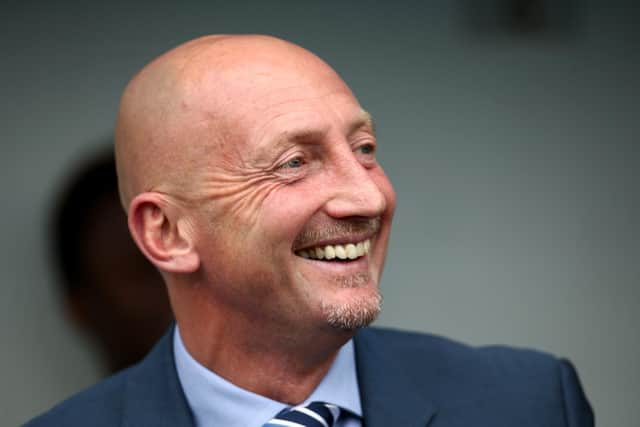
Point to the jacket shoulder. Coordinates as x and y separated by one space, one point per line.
418 348
100 405
462 378
148 394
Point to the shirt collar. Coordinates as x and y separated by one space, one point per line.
215 401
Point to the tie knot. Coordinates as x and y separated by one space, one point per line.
315 414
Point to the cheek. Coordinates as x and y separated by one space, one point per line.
258 222
288 209
237 206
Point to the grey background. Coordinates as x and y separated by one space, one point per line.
514 158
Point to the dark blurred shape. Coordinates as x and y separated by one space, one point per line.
521 17
111 291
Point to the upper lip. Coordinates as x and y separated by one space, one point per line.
338 240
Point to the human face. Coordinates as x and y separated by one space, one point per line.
295 174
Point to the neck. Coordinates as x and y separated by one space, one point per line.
282 363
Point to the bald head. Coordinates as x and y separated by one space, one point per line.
179 107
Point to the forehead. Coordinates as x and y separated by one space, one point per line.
258 102
247 88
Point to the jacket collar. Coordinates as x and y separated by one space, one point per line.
389 390
153 396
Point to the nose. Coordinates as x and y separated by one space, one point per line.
356 190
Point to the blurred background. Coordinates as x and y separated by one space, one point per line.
508 127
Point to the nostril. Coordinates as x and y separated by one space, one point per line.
360 202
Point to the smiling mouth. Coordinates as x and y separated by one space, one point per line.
343 252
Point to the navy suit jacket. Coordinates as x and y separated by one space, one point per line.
406 380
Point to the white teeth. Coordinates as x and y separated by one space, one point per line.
347 251
351 251
341 253
329 252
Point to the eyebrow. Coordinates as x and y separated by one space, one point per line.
363 120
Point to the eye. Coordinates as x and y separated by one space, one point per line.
366 149
293 163
366 154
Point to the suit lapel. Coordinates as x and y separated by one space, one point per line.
153 396
389 391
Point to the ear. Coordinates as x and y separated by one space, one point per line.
162 233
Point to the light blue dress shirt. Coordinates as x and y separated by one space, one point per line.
216 402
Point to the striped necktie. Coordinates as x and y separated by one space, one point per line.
315 414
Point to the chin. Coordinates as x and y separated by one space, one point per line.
355 313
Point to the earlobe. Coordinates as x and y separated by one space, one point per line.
159 231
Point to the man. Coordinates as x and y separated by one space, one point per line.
249 175
110 290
